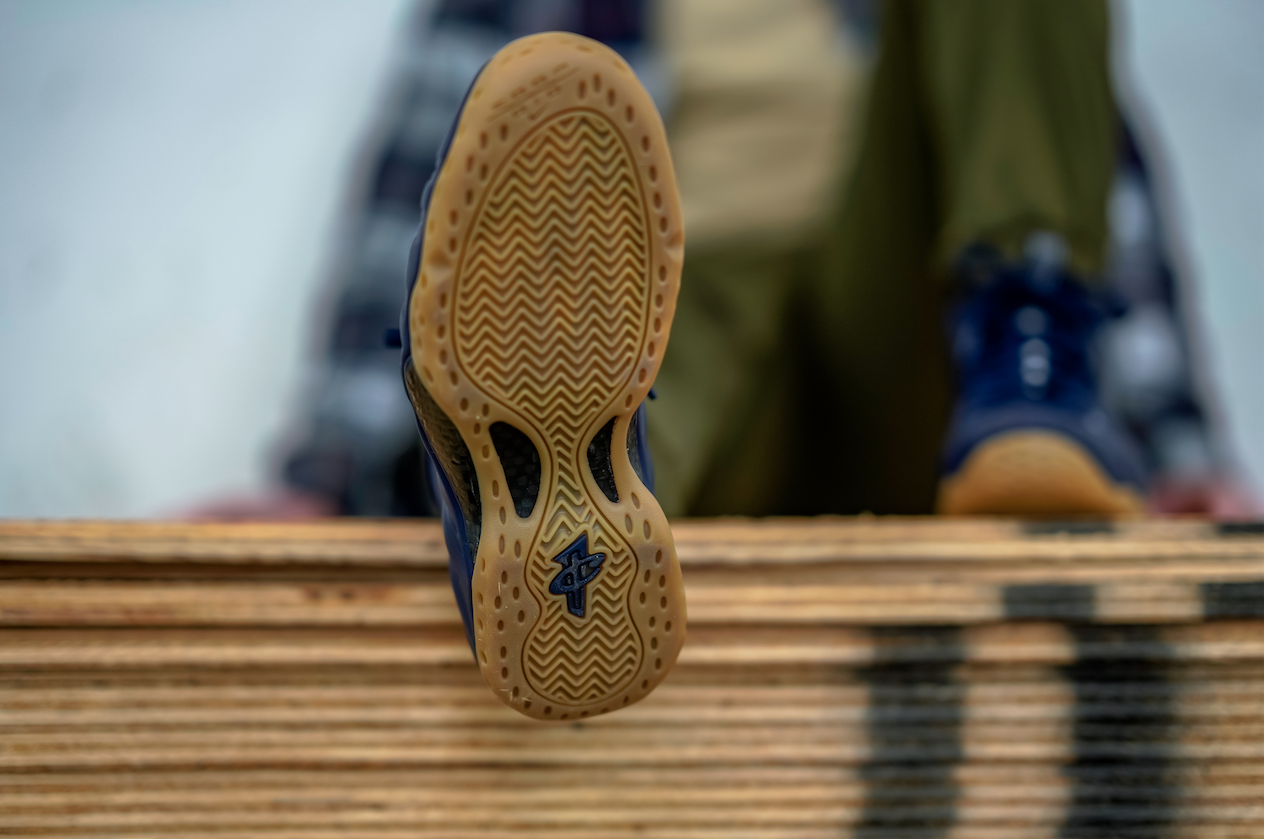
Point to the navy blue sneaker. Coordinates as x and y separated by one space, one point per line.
1029 436
541 290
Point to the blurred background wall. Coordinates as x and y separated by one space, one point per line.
171 173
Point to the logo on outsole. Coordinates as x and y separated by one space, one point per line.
579 568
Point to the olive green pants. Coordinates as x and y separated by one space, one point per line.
813 378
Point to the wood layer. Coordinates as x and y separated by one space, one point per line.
869 678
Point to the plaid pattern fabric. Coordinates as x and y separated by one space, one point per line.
357 442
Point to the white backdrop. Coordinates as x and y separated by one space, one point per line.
169 176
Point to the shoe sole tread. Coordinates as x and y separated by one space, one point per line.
545 292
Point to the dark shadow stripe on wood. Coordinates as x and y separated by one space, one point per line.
1240 528
1049 601
1233 600
913 720
1068 528
1124 734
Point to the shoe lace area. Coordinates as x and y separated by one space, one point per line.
1027 337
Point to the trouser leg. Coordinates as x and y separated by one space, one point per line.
880 347
1019 104
724 341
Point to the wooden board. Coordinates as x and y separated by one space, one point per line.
901 678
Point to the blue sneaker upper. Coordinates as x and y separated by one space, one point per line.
451 473
1022 342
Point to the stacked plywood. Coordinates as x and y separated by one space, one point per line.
865 678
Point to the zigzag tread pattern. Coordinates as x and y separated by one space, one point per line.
581 661
553 287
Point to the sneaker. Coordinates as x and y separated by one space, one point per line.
541 290
1028 436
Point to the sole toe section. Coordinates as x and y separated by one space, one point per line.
1034 473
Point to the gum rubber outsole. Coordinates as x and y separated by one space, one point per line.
1034 473
545 291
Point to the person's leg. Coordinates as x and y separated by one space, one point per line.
987 122
870 403
1019 103
725 339
878 373
761 96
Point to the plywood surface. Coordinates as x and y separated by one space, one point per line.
842 677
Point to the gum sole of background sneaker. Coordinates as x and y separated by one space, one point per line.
1034 473
543 300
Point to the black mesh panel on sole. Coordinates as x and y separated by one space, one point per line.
634 446
521 462
599 462
453 456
